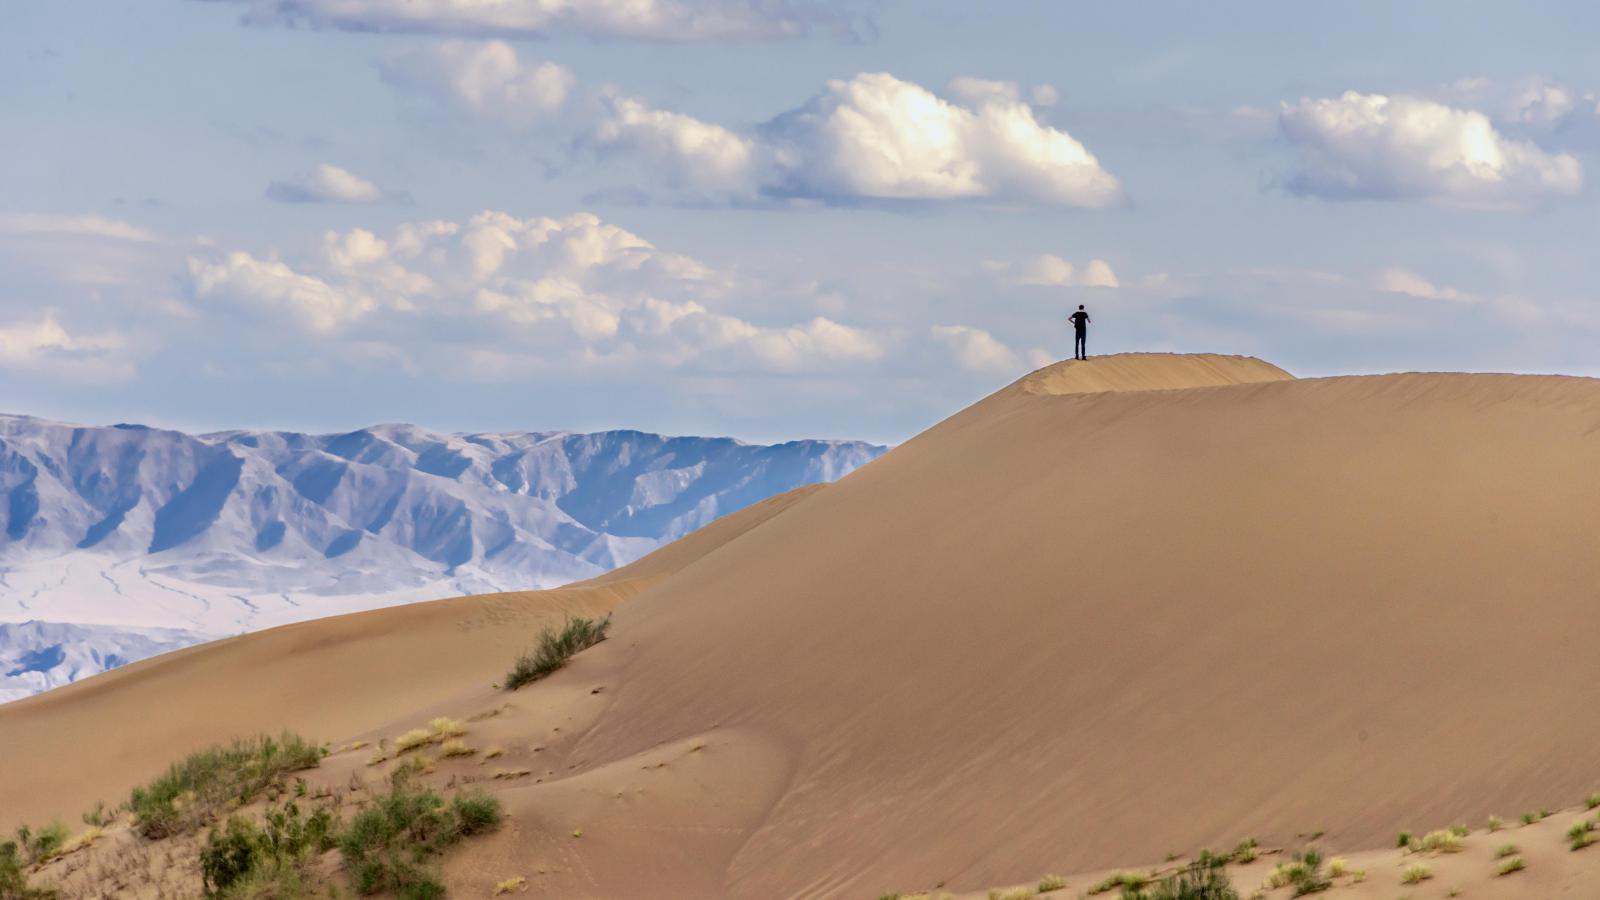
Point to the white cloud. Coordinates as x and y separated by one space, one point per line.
1392 148
690 152
873 137
484 77
1402 281
1049 270
325 184
1044 95
497 288
89 225
977 350
659 20
44 345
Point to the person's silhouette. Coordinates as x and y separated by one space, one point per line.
1080 325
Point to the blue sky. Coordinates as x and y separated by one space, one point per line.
765 219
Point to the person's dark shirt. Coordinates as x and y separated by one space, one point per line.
1080 320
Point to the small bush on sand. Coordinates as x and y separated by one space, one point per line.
13 881
445 727
1505 850
1495 824
1416 874
456 747
1528 818
1125 880
1441 841
515 884
1200 880
555 648
191 791
1509 865
244 859
1016 893
1592 801
1581 834
1404 840
1051 883
387 846
38 846
1337 867
1245 852
411 740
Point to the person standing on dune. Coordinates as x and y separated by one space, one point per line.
1080 325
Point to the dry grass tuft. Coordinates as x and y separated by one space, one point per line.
1444 840
492 752
1507 866
1337 867
1016 893
511 773
446 727
1051 883
411 740
456 747
518 883
1416 874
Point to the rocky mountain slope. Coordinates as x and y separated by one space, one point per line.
135 527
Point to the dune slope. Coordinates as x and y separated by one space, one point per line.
1067 631
1121 608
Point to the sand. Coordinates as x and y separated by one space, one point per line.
1120 609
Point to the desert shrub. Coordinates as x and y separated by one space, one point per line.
1495 824
1460 830
1337 867
1125 880
1404 840
1304 874
1581 834
519 882
387 846
1505 850
1051 883
456 747
1509 865
555 648
1416 874
1245 852
1592 801
411 740
446 727
99 817
1528 818
1441 841
38 846
13 881
1016 893
244 859
193 789
1200 880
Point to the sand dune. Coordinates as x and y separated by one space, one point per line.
1122 608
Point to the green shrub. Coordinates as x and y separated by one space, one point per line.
1304 874
191 791
1506 867
38 846
555 648
1441 841
1125 880
1416 874
1495 824
244 859
13 881
1581 834
1506 850
1051 883
1200 880
1592 801
1245 852
387 846
1404 840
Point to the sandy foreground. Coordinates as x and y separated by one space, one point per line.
1120 610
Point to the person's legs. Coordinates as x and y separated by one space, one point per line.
1080 347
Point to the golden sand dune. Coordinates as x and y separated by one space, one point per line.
1123 608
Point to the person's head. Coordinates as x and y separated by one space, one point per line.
1080 306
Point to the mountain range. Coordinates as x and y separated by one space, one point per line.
121 529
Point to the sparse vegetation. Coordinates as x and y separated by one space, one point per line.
445 727
243 859
1460 830
1592 801
1581 834
1204 879
555 648
1495 824
1404 840
1125 880
1051 883
1441 841
1509 865
520 883
1304 874
13 880
1528 818
193 790
387 846
1245 852
1416 874
411 740
1016 893
456 747
35 847
1337 867
1505 850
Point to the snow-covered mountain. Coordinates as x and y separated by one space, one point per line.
129 527
37 656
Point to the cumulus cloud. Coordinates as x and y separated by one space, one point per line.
656 20
1049 270
574 290
977 350
485 78
874 137
43 345
1402 281
325 184
1369 146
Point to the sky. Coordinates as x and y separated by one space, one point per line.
771 219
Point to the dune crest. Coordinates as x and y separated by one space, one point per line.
1149 372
